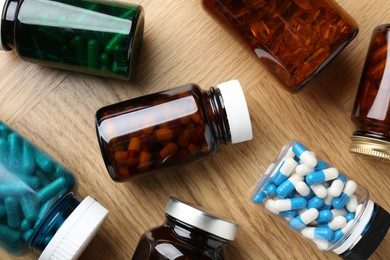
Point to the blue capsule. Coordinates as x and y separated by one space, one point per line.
4 131
14 151
322 176
51 190
44 162
4 152
9 234
324 216
318 233
29 205
13 212
25 225
321 165
28 234
45 208
337 235
315 202
289 213
350 216
2 210
287 186
271 189
260 197
27 159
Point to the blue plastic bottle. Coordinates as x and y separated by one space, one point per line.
38 207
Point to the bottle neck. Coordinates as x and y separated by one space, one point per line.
216 114
196 237
8 23
53 221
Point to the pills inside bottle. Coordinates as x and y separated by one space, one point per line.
187 233
294 39
95 37
371 112
38 207
172 127
318 200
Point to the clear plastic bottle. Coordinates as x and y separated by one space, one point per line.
170 128
371 112
96 37
188 233
295 39
323 204
38 208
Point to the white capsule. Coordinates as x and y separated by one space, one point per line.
337 222
302 188
290 153
338 212
337 185
309 215
322 244
319 190
270 205
352 204
303 170
350 188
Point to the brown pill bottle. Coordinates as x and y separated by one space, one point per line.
294 39
188 233
172 127
371 112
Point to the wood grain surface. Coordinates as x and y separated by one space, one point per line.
182 44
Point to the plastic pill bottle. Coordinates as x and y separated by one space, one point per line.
322 203
96 37
171 127
294 39
187 233
38 208
371 112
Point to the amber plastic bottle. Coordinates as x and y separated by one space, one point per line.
295 39
188 233
371 113
170 128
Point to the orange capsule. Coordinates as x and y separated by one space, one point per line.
379 54
123 171
185 120
164 134
197 119
376 73
184 139
133 150
196 141
121 157
144 159
168 150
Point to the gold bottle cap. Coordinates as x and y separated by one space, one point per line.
370 146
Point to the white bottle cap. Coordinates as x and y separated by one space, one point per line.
236 110
76 232
2 7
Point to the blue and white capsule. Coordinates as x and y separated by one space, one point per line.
350 216
290 204
324 216
342 200
288 186
285 171
304 155
340 233
352 204
322 176
303 219
318 233
321 165
259 197
337 186
319 190
289 214
328 202
336 223
303 170
302 188
315 202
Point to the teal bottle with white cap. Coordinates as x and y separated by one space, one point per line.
172 127
38 207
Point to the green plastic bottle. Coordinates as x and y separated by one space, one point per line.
95 37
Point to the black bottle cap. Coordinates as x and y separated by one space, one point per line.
374 236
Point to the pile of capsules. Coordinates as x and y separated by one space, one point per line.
315 198
30 184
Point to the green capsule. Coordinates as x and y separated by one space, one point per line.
43 178
105 59
52 36
28 162
28 235
29 205
79 45
116 40
14 216
14 151
4 131
128 13
93 53
120 55
9 234
25 225
45 208
44 161
51 190
114 67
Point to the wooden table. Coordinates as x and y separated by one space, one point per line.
55 109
